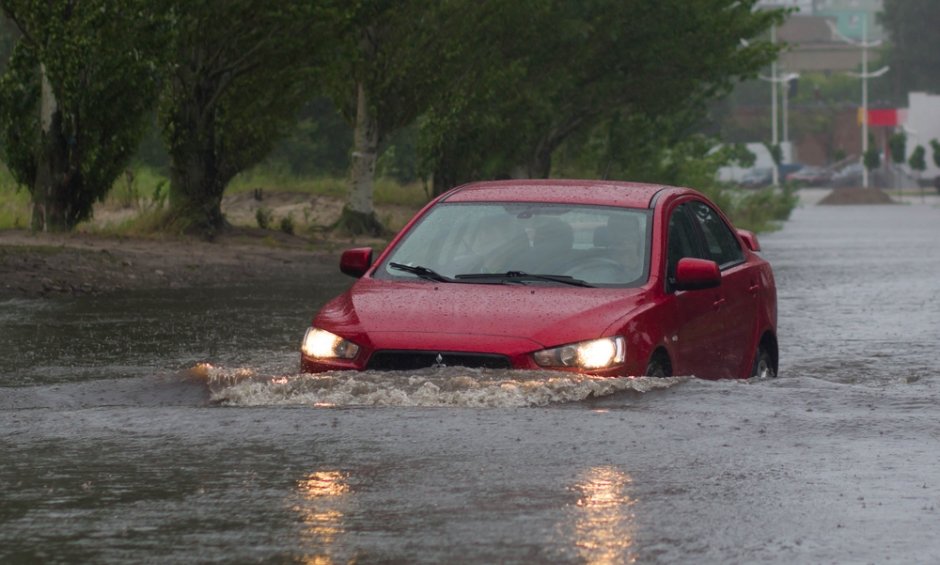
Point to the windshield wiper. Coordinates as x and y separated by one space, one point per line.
521 276
423 272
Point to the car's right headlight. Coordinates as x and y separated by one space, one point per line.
593 354
322 344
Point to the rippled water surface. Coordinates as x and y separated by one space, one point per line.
171 427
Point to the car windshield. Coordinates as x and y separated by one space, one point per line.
594 245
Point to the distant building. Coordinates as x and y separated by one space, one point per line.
813 47
922 125
855 19
801 6
817 30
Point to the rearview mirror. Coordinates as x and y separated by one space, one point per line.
355 262
696 274
750 240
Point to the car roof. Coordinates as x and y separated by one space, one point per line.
558 191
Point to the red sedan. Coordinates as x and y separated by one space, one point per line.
598 277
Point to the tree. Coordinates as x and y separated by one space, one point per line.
630 58
241 71
914 54
935 146
871 159
390 67
917 160
897 143
74 99
7 41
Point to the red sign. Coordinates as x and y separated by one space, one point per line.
881 117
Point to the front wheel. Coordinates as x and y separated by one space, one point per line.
763 364
657 368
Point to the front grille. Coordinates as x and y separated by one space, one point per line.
412 360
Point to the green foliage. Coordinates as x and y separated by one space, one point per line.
935 146
287 224
914 55
872 159
99 92
694 162
521 93
897 144
776 153
7 41
263 217
317 145
14 203
761 210
398 160
917 160
242 69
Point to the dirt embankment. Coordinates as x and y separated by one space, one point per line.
44 265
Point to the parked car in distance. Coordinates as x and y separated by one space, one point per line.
757 178
598 277
810 176
848 176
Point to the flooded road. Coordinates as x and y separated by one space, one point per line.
114 449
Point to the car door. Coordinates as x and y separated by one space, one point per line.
696 339
737 304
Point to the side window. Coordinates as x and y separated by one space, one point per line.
681 238
720 241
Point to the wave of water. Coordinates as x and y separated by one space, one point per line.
448 386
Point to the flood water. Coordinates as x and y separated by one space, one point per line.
170 427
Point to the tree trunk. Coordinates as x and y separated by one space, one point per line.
57 196
358 215
445 176
197 183
540 166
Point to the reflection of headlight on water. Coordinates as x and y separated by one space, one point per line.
324 483
603 523
322 514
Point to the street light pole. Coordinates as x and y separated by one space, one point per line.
773 107
865 75
775 82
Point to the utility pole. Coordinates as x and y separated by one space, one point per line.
864 75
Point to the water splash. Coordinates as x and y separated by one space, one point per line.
450 386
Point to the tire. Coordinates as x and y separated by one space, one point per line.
656 368
763 364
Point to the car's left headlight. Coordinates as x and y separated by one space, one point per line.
322 344
593 354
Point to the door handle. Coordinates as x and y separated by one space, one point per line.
718 303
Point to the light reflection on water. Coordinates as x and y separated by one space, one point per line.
603 526
322 515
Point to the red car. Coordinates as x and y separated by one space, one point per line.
597 277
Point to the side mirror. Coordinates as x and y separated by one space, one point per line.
355 262
750 240
696 274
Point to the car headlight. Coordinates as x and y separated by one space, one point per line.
594 354
322 344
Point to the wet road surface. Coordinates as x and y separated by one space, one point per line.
113 451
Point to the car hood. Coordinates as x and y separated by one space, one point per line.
546 315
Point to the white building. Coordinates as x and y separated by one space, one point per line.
922 125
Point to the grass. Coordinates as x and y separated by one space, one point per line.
138 199
143 191
387 191
14 203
